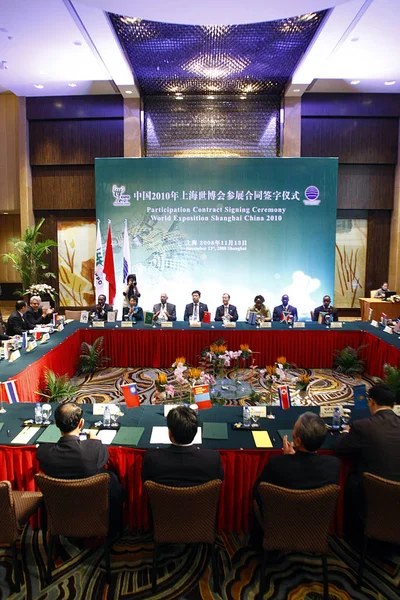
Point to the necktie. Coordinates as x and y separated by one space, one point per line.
225 311
196 312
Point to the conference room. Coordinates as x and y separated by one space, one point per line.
205 200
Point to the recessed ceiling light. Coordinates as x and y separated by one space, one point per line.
355 82
128 92
178 97
243 97
296 90
354 39
72 84
39 86
77 43
210 97
392 82
5 213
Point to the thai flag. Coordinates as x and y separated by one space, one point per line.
11 391
131 395
127 256
284 396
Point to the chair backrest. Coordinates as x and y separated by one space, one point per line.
76 507
8 521
297 520
383 507
312 315
373 292
73 314
184 514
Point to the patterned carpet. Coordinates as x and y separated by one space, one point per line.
185 572
327 386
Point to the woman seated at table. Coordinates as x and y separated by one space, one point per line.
381 292
133 312
263 313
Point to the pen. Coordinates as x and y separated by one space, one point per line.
8 432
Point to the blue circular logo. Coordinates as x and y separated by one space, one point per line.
311 192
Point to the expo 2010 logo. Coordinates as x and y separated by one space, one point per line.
312 196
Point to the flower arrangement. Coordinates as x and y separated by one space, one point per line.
245 351
41 289
271 375
194 375
302 383
161 382
282 363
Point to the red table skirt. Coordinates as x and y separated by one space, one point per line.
241 467
159 348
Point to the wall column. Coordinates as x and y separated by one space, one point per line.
132 134
292 127
25 175
394 260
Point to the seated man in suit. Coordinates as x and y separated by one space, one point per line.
73 458
226 312
195 310
164 311
99 312
3 335
279 313
326 308
133 312
182 464
35 315
16 323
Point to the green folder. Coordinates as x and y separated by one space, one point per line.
50 434
148 318
1 426
128 436
215 431
288 432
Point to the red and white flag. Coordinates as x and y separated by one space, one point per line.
108 269
284 396
131 396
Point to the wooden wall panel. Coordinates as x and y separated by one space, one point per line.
9 228
9 157
366 187
59 188
73 142
353 140
75 107
378 246
350 105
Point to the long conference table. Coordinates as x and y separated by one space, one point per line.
145 346
241 459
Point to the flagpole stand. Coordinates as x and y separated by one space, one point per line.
2 409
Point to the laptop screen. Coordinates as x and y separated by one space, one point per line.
388 294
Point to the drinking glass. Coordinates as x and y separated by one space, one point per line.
46 413
346 416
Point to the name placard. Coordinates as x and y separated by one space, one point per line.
258 411
396 409
45 338
98 324
374 323
336 325
166 324
60 327
265 325
31 346
126 324
195 323
230 324
327 411
299 325
14 356
111 316
388 329
84 316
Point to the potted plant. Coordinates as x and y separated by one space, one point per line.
27 257
391 378
348 362
91 359
58 388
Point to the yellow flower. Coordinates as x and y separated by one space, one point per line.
281 360
304 379
244 347
161 378
217 349
180 359
270 369
194 373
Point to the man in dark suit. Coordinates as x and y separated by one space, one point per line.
16 323
182 464
99 312
164 311
226 311
326 308
35 315
73 458
195 310
375 444
279 311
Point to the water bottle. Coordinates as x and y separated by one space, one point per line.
327 319
107 417
336 418
38 414
246 416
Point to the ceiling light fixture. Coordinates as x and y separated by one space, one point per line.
210 97
354 39
72 84
392 82
243 97
77 43
355 82
39 86
128 92
296 90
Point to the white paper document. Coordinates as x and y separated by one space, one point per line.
25 436
106 436
159 435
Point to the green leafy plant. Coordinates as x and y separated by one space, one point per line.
91 359
348 362
391 378
27 256
58 388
